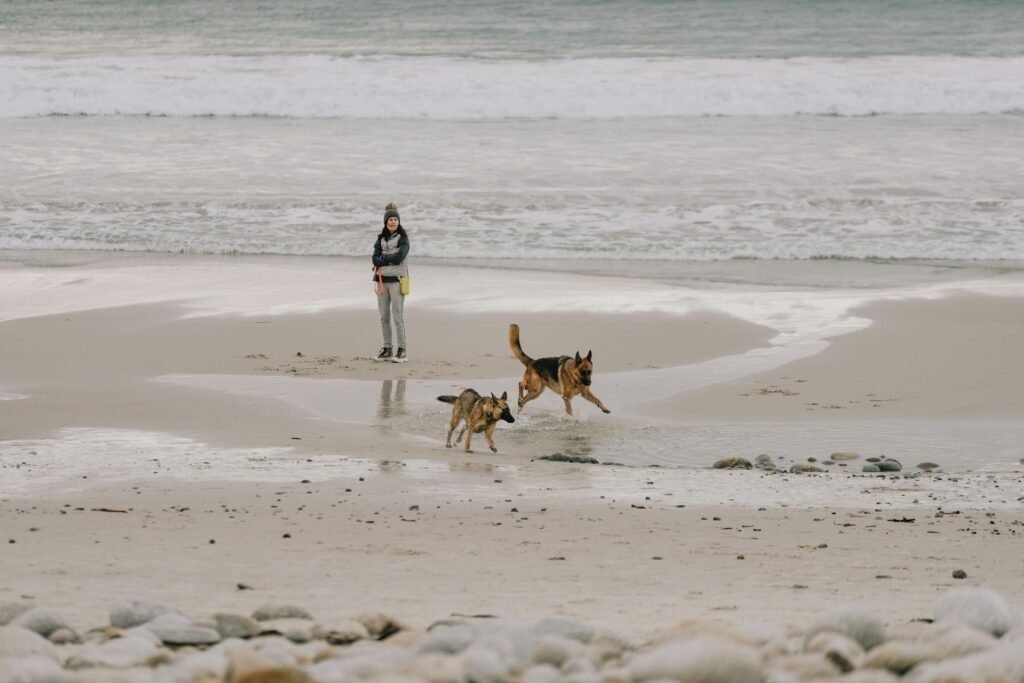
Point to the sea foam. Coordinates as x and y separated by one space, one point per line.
320 86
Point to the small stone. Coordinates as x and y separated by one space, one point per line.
959 574
274 675
927 466
41 620
981 608
870 468
19 642
890 465
273 612
133 613
733 464
862 627
63 636
10 610
380 626
844 455
236 626
343 633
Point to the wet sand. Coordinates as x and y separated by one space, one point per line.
198 417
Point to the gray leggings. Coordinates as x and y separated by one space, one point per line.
391 304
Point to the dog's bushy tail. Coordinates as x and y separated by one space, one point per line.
447 399
517 350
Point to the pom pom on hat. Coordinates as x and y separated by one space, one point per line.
391 211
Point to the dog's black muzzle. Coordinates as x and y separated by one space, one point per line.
507 416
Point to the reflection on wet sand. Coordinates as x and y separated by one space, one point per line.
475 467
577 444
391 405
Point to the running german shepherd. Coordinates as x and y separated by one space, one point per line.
568 376
480 414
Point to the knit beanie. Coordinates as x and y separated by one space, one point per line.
391 211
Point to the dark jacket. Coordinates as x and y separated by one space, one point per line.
390 259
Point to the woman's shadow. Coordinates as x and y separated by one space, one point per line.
392 399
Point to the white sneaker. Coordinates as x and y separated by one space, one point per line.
385 354
400 357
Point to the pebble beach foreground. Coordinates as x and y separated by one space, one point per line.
972 636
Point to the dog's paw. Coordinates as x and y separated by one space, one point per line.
493 449
469 451
606 410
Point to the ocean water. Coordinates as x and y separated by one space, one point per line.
613 131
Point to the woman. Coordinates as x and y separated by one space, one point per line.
389 266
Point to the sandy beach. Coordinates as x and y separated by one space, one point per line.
175 427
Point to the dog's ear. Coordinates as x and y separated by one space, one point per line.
578 359
590 355
504 396
493 397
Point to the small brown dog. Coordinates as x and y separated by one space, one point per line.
568 376
480 415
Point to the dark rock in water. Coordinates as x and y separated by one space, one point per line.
959 574
871 468
927 466
733 464
874 460
562 457
890 465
